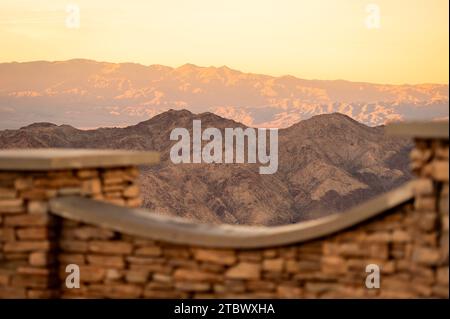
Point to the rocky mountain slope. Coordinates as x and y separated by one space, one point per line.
89 94
326 164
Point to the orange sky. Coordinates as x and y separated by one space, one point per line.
323 39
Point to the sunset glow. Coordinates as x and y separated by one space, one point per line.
327 39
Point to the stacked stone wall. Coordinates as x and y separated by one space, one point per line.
408 243
30 234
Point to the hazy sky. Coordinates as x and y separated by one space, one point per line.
313 39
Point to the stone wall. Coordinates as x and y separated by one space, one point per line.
30 234
409 243
404 243
430 163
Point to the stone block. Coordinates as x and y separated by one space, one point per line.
440 291
260 285
88 232
37 207
12 293
162 278
5 277
73 246
194 275
23 183
38 271
136 276
65 259
292 266
91 187
116 189
33 233
115 290
443 205
114 274
273 265
444 224
440 170
112 180
7 193
134 202
27 220
442 275
289 291
26 246
132 172
334 265
222 257
420 155
110 247
107 261
153 268
42 294
11 206
31 281
423 186
156 285
250 255
345 249
35 194
401 236
270 253
147 260
192 286
442 152
321 287
244 270
378 237
40 259
131 191
148 251
7 234
163 294
89 273
427 221
87 173
422 203
426 256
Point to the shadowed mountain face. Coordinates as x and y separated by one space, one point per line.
89 94
326 164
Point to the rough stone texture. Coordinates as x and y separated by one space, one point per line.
409 243
32 241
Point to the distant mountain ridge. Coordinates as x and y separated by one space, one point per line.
90 94
327 163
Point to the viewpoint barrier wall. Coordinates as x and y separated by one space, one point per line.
73 207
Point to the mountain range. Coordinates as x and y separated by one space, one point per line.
90 94
327 164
